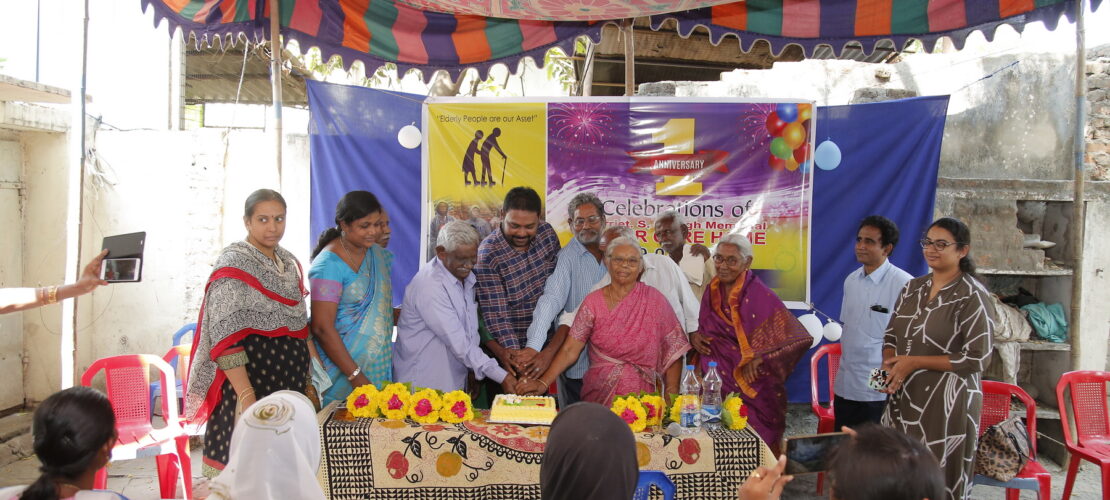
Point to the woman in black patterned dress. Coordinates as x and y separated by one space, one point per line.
250 338
937 344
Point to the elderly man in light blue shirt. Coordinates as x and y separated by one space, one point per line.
869 296
437 333
578 268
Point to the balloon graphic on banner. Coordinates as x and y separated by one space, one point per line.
780 149
794 134
827 156
806 166
791 164
788 112
775 124
776 163
409 137
833 331
813 326
805 112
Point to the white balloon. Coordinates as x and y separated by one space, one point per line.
813 326
409 137
833 331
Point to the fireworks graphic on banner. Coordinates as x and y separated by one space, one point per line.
585 123
753 122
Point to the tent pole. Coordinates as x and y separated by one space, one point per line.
74 210
629 57
1078 220
275 81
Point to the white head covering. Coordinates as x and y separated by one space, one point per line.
275 451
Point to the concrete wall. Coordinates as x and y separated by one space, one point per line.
1008 138
186 190
44 240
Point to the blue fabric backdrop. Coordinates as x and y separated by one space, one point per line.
891 153
353 145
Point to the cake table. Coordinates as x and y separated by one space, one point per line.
394 459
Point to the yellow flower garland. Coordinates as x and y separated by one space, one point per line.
393 401
452 412
735 413
654 406
631 411
676 408
424 406
363 402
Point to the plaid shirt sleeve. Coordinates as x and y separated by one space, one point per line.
493 298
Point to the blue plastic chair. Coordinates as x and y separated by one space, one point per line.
171 358
648 478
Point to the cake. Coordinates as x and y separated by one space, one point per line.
514 409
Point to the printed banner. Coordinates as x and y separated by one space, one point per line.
724 165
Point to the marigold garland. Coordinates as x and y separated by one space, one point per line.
363 402
654 406
393 401
631 411
735 413
424 406
456 407
676 408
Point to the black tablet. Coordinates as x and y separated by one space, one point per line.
124 262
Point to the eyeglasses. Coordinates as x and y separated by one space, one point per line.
593 219
625 262
939 245
731 261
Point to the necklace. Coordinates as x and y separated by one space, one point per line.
343 243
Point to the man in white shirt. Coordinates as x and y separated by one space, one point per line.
437 333
869 296
661 273
672 233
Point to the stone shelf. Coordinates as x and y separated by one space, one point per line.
1040 345
1062 271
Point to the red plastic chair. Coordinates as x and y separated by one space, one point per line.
1091 440
826 419
996 408
128 385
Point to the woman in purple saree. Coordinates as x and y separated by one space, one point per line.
634 340
752 336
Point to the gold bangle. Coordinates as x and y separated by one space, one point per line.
249 390
53 295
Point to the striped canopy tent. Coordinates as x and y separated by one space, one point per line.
453 35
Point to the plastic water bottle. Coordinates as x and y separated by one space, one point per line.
711 398
690 419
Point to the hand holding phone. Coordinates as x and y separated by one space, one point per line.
809 454
124 259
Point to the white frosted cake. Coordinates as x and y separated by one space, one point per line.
514 409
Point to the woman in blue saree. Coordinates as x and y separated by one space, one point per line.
352 309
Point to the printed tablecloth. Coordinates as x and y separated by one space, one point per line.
393 459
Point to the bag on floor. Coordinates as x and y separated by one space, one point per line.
1003 450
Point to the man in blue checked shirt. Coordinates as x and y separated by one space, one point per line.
578 268
869 296
513 263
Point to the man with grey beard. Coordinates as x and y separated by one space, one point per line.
578 267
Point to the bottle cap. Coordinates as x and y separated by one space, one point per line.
712 364
689 367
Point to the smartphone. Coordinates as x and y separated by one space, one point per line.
120 270
809 454
124 262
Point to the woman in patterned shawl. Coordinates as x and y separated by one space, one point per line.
635 341
937 344
752 336
352 299
250 338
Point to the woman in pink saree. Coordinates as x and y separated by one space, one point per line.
634 339
752 336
